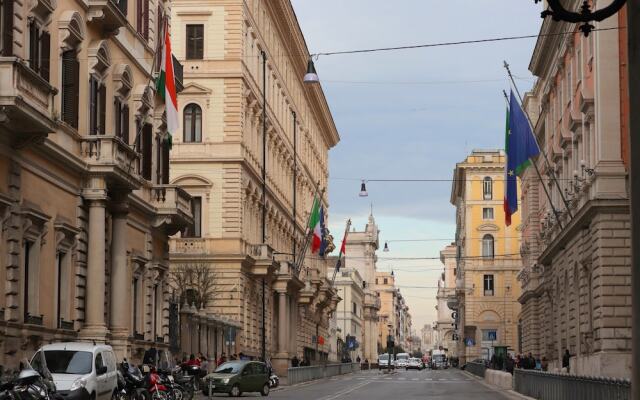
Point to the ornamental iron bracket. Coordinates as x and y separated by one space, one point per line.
559 13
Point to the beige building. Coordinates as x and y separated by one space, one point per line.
86 204
576 292
488 258
394 318
350 313
445 325
246 227
428 338
361 256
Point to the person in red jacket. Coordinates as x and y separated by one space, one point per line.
193 360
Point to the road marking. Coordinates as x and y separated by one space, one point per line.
345 392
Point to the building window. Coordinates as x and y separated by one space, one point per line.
135 314
192 124
31 274
62 292
376 281
121 122
487 213
487 246
489 335
145 150
195 42
194 231
386 281
488 285
70 87
165 162
97 106
6 28
39 49
355 309
142 18
487 188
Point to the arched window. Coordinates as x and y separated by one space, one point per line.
487 188
192 124
487 246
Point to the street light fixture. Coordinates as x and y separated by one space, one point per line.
311 76
363 189
386 247
559 13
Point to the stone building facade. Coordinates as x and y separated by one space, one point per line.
393 318
86 204
361 256
576 291
488 259
350 312
218 158
445 326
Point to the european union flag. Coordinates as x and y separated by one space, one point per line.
520 147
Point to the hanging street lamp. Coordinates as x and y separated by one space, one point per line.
559 13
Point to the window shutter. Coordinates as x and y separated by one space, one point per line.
146 19
7 28
117 108
70 86
165 163
102 101
45 57
33 45
147 151
93 106
125 123
139 13
158 160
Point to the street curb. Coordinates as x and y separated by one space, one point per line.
509 392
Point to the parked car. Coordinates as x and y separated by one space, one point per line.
80 371
383 361
402 359
414 363
237 377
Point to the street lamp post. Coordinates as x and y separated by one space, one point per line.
585 16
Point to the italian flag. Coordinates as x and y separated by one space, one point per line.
315 226
166 85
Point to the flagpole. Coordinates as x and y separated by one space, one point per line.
544 154
535 166
344 238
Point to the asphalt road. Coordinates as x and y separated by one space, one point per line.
373 385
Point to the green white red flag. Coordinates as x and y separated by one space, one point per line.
166 84
315 226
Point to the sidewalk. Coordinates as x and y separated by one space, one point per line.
510 393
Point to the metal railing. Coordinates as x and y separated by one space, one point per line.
551 386
304 374
476 368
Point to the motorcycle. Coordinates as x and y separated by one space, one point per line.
178 387
154 385
131 385
274 381
27 385
196 372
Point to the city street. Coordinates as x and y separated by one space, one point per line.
373 385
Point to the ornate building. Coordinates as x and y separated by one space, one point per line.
487 258
247 228
361 256
445 326
350 313
86 204
576 291
393 318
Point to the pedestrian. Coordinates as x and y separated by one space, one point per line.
295 362
193 361
358 359
150 356
565 360
544 364
510 364
221 360
531 362
538 364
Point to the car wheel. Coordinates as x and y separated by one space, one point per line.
235 391
265 390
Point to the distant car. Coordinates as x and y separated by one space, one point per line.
237 377
383 361
402 359
414 363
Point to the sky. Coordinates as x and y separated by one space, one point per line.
412 114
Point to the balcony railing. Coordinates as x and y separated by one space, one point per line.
109 15
550 386
66 325
33 319
112 157
173 206
26 102
191 245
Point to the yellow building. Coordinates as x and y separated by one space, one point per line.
488 258
250 215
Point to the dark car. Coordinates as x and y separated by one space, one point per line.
236 377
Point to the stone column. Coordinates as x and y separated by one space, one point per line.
120 285
94 323
281 360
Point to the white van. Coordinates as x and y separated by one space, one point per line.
81 371
402 359
383 361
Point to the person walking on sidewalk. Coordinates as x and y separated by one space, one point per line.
565 360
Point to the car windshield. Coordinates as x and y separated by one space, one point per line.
229 368
68 362
401 357
384 357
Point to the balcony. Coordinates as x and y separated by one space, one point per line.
108 15
26 103
173 207
112 158
264 263
199 246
